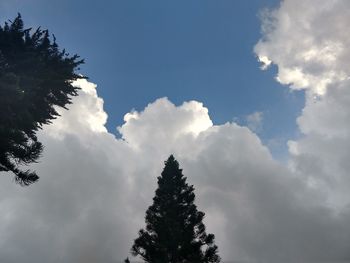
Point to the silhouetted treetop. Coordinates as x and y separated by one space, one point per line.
174 229
35 76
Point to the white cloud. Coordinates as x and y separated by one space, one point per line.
265 62
308 43
254 121
162 121
310 48
94 189
86 113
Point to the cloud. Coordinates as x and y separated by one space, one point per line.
308 44
309 47
310 50
162 121
254 121
95 188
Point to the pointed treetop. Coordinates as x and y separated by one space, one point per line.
171 160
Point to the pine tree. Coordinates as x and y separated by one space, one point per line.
174 230
35 76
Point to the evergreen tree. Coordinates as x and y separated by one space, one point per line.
174 230
35 76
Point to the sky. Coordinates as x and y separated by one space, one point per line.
138 51
251 97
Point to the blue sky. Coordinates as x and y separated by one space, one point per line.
138 51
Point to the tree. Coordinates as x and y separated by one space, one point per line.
174 230
35 76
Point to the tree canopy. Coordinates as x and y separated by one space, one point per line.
35 76
174 230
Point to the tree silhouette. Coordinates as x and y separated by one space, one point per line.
35 76
174 230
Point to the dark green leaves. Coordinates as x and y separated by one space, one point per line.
174 230
35 76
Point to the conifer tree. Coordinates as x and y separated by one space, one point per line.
35 76
174 230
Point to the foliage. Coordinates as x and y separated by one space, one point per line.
174 230
35 76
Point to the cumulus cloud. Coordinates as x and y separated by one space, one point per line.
254 121
308 43
95 189
310 49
